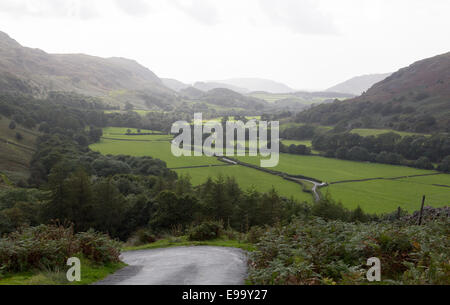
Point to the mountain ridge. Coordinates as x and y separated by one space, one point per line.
358 84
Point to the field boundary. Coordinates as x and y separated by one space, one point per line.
383 178
136 140
201 166
18 145
314 191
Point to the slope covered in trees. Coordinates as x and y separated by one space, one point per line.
416 98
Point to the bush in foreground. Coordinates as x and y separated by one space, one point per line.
315 251
47 247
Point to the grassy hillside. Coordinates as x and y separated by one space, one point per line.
117 80
15 154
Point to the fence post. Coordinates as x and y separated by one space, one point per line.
421 210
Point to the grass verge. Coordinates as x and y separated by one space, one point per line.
183 242
90 273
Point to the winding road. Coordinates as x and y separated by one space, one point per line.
201 265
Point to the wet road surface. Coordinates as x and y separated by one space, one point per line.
201 265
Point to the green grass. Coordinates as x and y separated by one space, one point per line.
249 178
332 170
373 196
184 242
159 150
15 160
376 132
272 98
384 196
246 177
442 179
90 273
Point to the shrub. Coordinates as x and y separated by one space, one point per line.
315 251
142 237
98 247
47 247
205 231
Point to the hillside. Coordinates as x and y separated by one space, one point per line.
258 84
359 84
116 80
15 152
416 98
207 86
227 98
174 84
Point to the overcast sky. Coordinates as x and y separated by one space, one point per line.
307 44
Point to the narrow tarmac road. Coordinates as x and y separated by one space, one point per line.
201 265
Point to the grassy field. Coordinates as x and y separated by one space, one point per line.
15 154
271 98
384 196
333 170
376 132
249 178
378 196
157 149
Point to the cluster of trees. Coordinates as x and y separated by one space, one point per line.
399 114
390 148
121 204
303 132
295 149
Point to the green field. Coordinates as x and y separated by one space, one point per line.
377 196
271 98
333 170
15 154
384 196
248 178
157 149
377 132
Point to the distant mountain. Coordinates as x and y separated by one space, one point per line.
258 84
415 98
358 85
207 86
191 93
174 84
116 80
224 98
